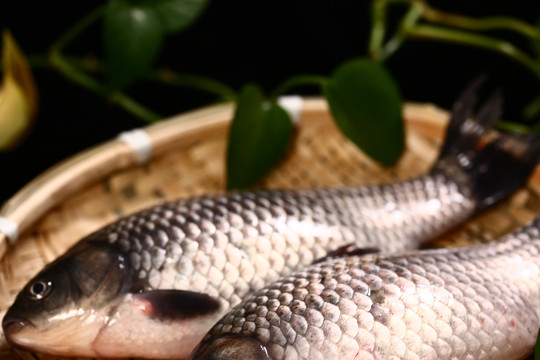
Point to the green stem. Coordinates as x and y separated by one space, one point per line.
378 27
481 41
122 100
74 74
299 80
409 20
78 28
489 23
195 81
513 127
166 76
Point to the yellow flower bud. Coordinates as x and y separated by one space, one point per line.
18 94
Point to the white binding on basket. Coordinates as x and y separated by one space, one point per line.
140 142
293 106
9 228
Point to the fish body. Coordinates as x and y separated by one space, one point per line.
153 283
226 247
481 302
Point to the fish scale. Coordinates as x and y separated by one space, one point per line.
481 302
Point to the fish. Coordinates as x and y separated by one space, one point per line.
477 302
151 284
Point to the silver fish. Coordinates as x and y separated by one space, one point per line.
152 284
480 302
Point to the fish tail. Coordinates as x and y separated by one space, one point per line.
497 164
465 130
503 166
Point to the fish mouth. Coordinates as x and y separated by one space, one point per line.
13 324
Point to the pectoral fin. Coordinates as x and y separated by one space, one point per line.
176 304
157 324
347 250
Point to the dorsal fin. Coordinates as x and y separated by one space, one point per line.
347 250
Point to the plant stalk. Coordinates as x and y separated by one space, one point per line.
122 100
199 82
78 28
409 20
299 80
480 41
482 24
74 74
378 28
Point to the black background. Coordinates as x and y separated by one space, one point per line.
240 41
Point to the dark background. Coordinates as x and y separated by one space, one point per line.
239 41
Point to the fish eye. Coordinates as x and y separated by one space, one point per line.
39 289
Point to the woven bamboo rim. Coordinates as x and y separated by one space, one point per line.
95 187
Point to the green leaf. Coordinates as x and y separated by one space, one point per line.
366 105
177 15
259 134
133 38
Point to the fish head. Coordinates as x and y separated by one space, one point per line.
61 310
231 347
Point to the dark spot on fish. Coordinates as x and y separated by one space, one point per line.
403 272
388 276
273 318
284 313
298 307
370 268
385 264
362 288
377 297
314 301
330 296
380 314
179 304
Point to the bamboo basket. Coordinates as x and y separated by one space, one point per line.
97 186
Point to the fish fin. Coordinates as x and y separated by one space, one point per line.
503 166
463 134
231 346
497 166
347 250
176 304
